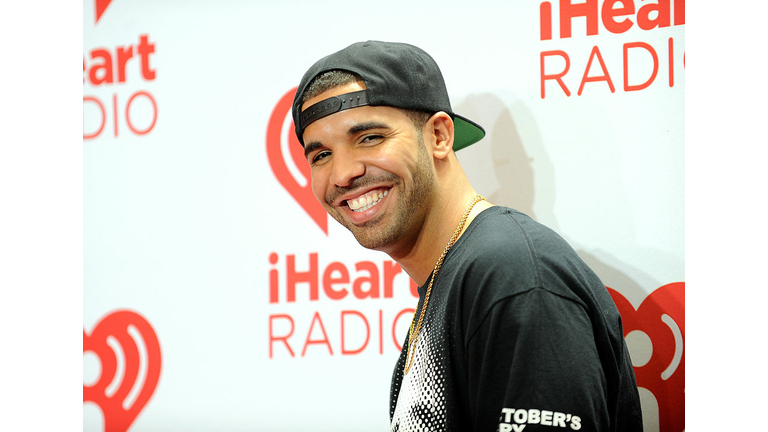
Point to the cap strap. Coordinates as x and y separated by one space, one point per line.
332 105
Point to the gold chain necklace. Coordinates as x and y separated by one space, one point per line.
413 334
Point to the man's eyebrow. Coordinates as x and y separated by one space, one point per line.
310 147
362 127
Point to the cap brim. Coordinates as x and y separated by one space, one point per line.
465 132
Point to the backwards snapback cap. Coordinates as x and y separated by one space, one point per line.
395 74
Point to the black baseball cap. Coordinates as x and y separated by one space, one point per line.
395 74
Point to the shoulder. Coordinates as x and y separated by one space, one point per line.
507 238
502 223
507 258
505 253
504 243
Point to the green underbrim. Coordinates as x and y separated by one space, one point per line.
465 133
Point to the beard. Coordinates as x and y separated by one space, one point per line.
407 216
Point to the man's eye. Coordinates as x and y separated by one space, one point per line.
371 139
320 156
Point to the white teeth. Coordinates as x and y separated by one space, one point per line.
367 201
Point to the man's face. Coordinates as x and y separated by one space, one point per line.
371 172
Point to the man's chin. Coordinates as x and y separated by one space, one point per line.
371 234
373 242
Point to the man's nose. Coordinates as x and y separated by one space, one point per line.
346 167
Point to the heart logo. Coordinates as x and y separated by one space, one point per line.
661 317
129 352
276 137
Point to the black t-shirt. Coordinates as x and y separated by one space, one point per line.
519 334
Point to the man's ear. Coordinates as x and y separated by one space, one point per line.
440 128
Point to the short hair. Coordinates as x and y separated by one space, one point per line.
337 77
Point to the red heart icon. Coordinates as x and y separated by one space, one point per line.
302 194
661 316
129 352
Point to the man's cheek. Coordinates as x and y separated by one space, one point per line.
317 191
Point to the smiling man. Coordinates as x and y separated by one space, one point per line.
512 330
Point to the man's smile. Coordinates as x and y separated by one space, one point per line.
367 200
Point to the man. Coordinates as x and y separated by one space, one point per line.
512 330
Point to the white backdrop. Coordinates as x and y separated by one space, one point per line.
197 224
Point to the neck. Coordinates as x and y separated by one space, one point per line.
440 224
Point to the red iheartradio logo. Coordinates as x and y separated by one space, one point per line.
661 317
281 139
129 352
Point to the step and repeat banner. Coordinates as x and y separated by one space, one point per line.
219 296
